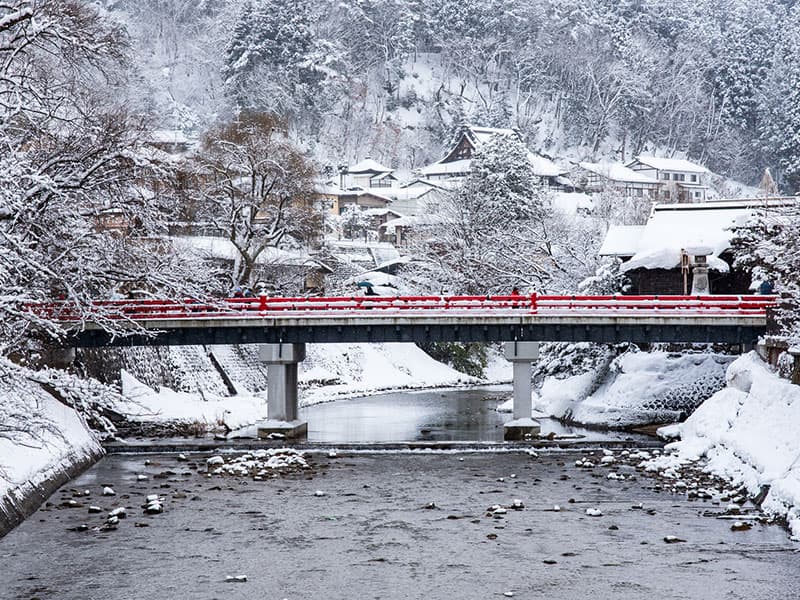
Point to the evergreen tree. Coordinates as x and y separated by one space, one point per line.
269 58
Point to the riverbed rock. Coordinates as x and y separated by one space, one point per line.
154 508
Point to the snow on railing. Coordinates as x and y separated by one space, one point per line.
263 306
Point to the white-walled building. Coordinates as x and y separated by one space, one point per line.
681 180
611 176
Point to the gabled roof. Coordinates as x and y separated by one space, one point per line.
447 168
419 182
669 164
481 135
368 166
379 176
617 172
412 220
621 240
379 212
412 192
358 193
544 167
672 227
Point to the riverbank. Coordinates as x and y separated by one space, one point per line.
747 435
43 444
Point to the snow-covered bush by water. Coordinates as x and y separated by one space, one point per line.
747 433
635 388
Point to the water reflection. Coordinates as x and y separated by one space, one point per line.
431 415
461 415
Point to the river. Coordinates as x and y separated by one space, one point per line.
464 415
362 526
390 525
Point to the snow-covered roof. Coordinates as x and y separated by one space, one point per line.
621 240
168 136
418 181
544 167
673 227
379 212
411 221
358 192
570 203
381 176
412 192
670 164
327 189
448 168
617 172
484 134
368 165
223 249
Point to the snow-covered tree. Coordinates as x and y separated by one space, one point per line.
271 56
78 208
768 246
256 187
498 231
353 221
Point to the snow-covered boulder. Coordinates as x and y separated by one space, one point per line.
638 388
748 437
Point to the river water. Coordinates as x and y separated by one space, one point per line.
361 525
429 415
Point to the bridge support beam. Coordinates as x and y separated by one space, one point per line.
522 355
282 361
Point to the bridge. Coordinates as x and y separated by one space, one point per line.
603 319
284 325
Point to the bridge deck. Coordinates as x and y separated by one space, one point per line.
725 319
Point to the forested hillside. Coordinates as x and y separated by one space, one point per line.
714 79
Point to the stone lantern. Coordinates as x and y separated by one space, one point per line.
700 283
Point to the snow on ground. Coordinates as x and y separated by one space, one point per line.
329 372
143 403
638 388
747 433
49 436
498 369
571 203
361 369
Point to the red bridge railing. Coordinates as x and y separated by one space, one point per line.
263 306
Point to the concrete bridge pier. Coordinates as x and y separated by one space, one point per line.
522 355
282 361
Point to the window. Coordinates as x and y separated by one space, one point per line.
698 194
666 194
665 176
639 192
693 178
682 177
